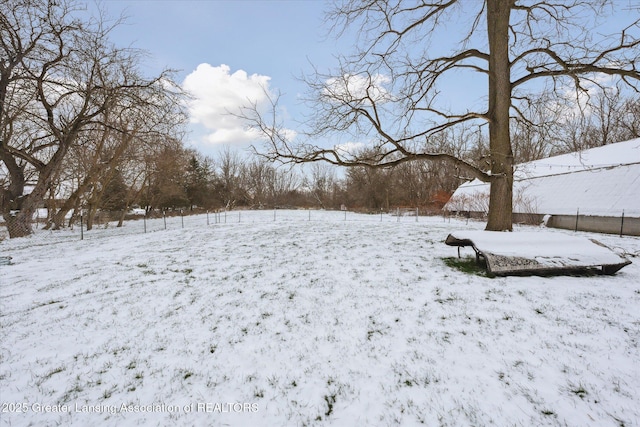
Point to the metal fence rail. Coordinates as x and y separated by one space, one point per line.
77 230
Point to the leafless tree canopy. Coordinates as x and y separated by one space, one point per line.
389 93
71 106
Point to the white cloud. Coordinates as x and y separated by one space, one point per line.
231 135
352 87
349 150
578 100
217 94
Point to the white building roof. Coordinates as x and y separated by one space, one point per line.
602 181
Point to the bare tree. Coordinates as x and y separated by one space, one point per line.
537 135
608 117
631 121
229 172
60 79
166 178
389 92
120 139
321 184
282 184
255 177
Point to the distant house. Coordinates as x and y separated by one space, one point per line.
591 190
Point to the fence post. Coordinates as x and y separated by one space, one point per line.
144 221
81 227
622 223
577 215
417 213
164 218
182 217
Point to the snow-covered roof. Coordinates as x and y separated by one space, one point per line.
607 156
603 181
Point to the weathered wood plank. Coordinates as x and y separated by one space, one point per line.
538 252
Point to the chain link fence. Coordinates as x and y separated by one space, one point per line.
106 224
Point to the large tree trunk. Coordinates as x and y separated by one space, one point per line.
123 213
57 219
501 193
19 224
17 208
19 219
91 215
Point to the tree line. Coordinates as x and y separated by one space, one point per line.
184 179
178 178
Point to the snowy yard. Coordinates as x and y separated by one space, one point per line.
355 322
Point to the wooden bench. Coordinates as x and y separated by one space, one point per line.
520 253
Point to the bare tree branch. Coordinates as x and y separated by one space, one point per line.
388 95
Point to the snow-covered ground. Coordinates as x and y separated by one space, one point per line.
331 321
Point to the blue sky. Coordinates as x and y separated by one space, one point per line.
223 48
272 37
225 51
